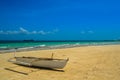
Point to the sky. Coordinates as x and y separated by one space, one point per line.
59 19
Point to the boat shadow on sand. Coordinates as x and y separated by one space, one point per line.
32 69
37 64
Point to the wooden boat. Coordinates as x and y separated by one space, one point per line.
40 62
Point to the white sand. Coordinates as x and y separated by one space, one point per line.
86 63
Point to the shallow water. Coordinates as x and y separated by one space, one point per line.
51 44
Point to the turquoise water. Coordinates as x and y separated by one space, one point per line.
11 45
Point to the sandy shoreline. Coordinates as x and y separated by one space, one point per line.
48 48
86 63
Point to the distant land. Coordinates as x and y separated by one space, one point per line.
7 41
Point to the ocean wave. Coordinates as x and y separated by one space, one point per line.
57 46
3 47
25 48
38 46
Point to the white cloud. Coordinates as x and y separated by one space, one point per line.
87 32
1 32
12 32
24 31
34 32
42 32
82 32
55 30
91 32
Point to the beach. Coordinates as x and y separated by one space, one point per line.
85 63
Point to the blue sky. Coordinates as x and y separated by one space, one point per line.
59 19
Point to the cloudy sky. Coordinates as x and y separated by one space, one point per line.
59 19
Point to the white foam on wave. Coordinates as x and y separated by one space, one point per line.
38 46
59 46
3 47
26 48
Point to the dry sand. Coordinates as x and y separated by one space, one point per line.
85 63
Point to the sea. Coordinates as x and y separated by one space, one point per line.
7 46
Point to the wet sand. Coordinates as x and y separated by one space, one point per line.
85 63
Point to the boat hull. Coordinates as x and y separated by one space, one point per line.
42 62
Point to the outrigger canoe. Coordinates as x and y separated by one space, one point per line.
40 62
